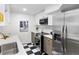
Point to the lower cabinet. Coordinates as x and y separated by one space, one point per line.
48 45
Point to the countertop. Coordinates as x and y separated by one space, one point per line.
36 32
16 39
49 36
71 36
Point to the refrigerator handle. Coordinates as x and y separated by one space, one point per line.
62 39
65 39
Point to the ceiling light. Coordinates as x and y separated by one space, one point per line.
24 9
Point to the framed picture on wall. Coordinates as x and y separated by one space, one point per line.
23 26
1 17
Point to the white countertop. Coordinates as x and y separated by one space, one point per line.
73 37
14 39
49 36
36 32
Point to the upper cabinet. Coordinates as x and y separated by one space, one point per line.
53 19
47 19
50 20
4 14
48 13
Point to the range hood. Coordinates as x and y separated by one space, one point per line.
68 7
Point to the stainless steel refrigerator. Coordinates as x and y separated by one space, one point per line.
66 24
71 32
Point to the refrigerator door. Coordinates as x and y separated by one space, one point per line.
58 20
72 32
72 47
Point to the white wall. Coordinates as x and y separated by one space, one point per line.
13 26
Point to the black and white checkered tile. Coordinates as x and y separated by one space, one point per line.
31 49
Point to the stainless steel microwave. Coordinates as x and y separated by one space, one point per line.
43 21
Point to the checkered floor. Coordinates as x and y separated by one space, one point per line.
31 49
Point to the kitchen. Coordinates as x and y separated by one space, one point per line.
42 29
64 31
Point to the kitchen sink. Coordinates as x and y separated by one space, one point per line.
9 49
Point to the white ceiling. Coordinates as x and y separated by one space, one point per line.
31 8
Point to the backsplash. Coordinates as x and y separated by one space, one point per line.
45 28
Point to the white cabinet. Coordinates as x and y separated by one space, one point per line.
50 19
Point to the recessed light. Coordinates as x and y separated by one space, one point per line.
24 9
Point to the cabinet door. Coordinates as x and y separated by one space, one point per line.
48 45
50 20
45 44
